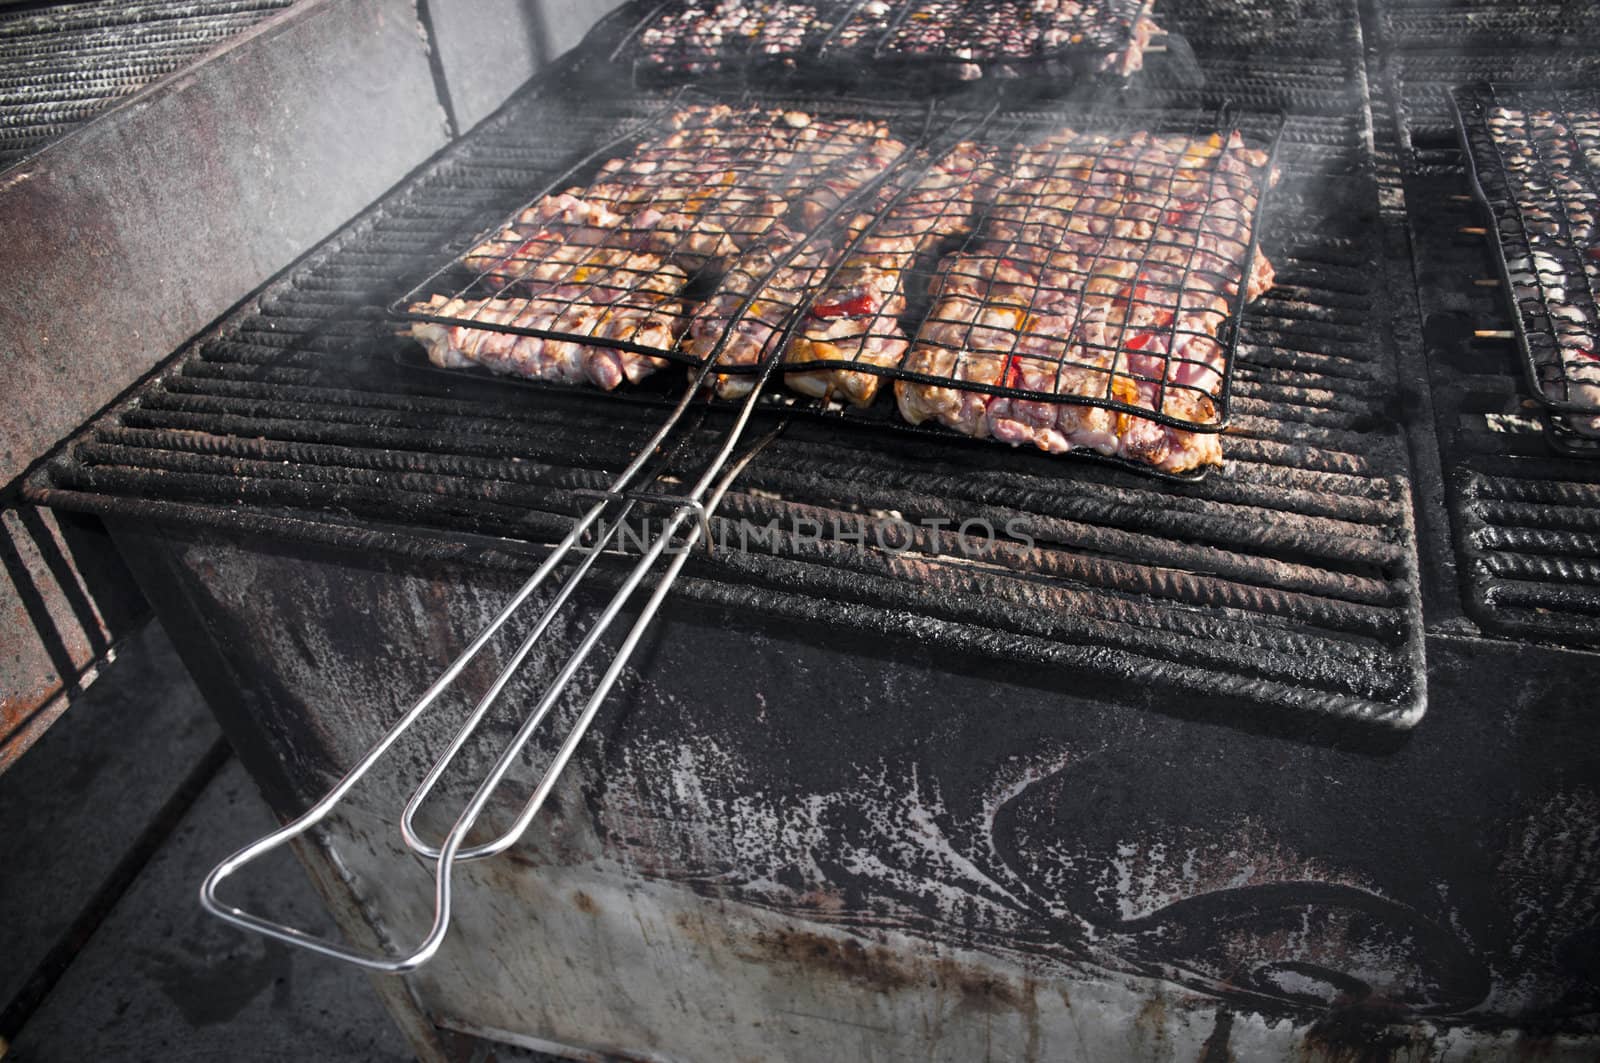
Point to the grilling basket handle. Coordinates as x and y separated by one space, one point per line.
687 524
691 517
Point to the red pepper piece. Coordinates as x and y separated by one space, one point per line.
1139 341
856 306
1012 377
1184 209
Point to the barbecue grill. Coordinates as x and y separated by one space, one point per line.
69 62
879 780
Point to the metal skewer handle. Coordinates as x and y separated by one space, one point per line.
692 509
453 848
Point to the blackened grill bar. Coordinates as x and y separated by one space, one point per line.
1306 498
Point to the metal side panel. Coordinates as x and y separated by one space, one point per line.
920 854
128 236
488 48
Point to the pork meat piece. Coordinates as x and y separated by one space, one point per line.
1105 270
1001 344
854 319
1545 154
644 319
732 333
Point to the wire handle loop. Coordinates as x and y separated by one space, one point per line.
701 499
454 849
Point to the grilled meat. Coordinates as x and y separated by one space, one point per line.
854 319
1548 158
740 172
697 36
854 316
714 186
1104 271
608 260
641 318
547 261
742 323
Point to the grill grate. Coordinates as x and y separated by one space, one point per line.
64 64
1490 25
849 38
1526 551
1289 581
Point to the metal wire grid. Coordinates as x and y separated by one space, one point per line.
703 36
1565 438
1139 326
849 286
1009 30
1537 187
609 265
1043 303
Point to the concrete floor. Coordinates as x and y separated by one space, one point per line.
161 980
108 826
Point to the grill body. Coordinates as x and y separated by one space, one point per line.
1149 794
878 851
62 65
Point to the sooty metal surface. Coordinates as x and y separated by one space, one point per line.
1431 46
1287 579
63 64
1525 517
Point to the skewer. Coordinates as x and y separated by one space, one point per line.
1473 230
1493 334
1486 282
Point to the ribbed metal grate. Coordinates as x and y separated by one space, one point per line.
1526 520
63 64
1287 579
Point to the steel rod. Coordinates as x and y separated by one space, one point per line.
454 848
